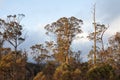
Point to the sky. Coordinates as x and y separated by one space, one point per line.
39 13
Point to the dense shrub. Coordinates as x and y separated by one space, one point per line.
101 72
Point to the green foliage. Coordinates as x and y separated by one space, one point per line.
76 75
13 67
47 72
49 68
39 76
66 72
62 72
100 72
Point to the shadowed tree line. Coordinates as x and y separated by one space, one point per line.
55 60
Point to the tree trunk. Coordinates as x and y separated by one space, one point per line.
94 22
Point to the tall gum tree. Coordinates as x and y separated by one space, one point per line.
65 29
97 36
13 30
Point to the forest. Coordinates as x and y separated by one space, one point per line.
55 60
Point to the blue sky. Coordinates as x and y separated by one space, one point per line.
45 11
41 12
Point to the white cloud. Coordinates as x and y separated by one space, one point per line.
81 38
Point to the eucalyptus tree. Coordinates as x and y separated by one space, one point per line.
40 53
114 50
97 37
12 30
65 29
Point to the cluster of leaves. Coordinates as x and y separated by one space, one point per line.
11 67
101 72
66 72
